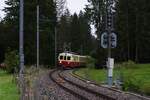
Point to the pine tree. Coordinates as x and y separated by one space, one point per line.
133 30
75 34
85 33
64 30
47 25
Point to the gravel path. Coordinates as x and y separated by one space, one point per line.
46 89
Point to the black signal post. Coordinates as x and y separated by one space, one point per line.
109 28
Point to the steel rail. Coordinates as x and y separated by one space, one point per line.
112 89
105 97
65 88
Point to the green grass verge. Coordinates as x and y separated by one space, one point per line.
92 74
8 89
136 77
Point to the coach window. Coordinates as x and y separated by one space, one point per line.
68 57
64 57
61 57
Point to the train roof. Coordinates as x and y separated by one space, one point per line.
70 54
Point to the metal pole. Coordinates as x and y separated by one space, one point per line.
21 43
21 33
109 43
55 1
109 29
109 56
55 46
37 36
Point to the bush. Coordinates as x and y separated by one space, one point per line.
130 83
90 62
11 61
129 64
145 89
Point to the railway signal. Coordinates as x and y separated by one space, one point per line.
111 37
113 40
104 40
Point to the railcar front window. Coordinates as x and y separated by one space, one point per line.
68 58
61 57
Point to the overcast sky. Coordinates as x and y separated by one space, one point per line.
73 5
76 5
2 5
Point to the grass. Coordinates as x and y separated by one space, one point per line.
8 89
135 76
93 74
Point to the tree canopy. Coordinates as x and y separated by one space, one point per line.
73 32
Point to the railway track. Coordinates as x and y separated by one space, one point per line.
45 88
78 90
65 85
103 90
86 90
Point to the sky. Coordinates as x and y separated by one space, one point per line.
73 6
76 5
2 5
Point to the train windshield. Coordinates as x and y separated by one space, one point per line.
61 57
68 58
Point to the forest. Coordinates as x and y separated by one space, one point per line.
72 32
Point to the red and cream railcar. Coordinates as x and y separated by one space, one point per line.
70 60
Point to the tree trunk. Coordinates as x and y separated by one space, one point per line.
128 39
136 40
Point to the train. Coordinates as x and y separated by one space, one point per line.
71 60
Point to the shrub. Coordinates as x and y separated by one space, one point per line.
90 62
11 61
130 83
129 64
145 89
